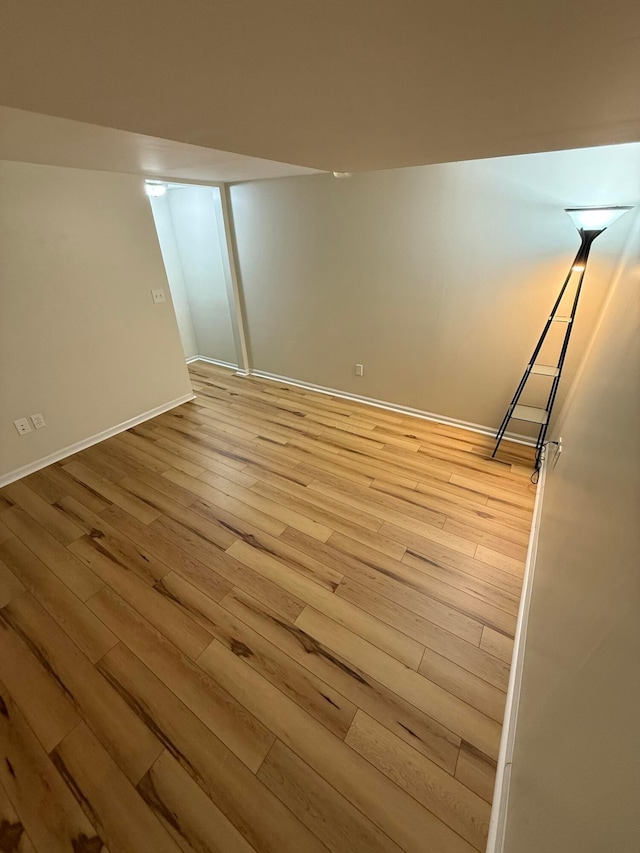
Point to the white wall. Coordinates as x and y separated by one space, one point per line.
80 338
576 764
188 231
173 269
438 279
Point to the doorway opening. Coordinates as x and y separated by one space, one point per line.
191 230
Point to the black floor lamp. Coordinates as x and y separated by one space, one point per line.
590 221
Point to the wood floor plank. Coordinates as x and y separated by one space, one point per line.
41 699
13 837
396 643
200 453
70 485
10 586
263 508
110 462
55 523
510 508
131 451
513 493
250 807
517 550
238 729
204 524
477 771
163 549
456 805
152 448
317 698
458 503
73 616
466 685
358 470
110 542
497 644
470 657
250 512
44 487
407 721
386 506
314 568
227 567
439 535
469 604
501 561
385 804
319 806
44 804
468 722
68 568
112 492
176 626
395 583
93 459
469 575
314 504
107 797
123 735
5 533
161 483
191 818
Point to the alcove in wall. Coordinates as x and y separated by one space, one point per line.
191 233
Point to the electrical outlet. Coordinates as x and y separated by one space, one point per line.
158 296
359 369
38 420
22 425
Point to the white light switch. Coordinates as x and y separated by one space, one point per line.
158 296
38 421
359 369
22 425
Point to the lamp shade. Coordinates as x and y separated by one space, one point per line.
595 218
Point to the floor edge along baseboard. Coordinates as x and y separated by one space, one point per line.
391 407
76 447
499 810
208 360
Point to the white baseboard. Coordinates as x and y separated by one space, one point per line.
498 821
57 455
212 361
392 407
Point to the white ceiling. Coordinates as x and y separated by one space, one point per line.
34 138
346 85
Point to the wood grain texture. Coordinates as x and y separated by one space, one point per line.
45 805
107 797
461 809
13 837
267 621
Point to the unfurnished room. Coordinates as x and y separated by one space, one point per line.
320 427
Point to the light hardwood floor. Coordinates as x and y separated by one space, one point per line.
270 620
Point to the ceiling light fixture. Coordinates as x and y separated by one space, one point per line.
155 189
342 174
